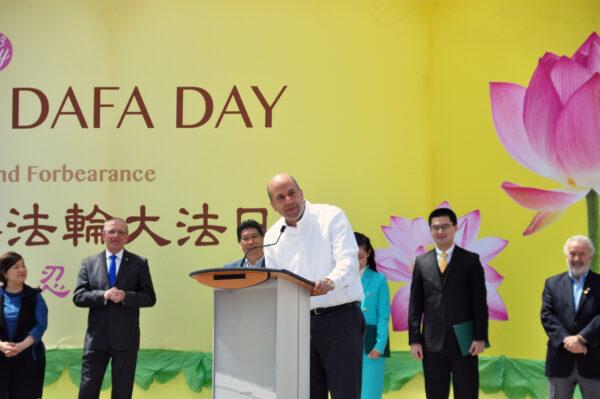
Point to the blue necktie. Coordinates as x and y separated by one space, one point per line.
112 271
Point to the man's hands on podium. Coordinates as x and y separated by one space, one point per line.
322 287
114 294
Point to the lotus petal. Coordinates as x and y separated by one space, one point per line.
468 228
593 59
567 76
399 309
492 276
549 59
496 308
507 109
541 109
542 200
420 232
394 268
487 248
398 234
578 134
444 204
584 50
541 220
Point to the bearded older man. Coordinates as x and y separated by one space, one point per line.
571 317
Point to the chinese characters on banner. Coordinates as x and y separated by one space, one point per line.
35 228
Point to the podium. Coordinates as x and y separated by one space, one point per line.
261 333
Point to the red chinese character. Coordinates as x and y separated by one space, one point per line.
54 273
37 236
76 223
203 226
95 224
262 211
142 219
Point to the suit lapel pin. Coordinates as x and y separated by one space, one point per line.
586 291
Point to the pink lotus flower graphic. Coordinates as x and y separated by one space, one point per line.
409 238
5 51
552 127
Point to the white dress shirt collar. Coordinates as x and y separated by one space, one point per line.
119 254
118 260
448 252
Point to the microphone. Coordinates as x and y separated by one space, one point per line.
263 246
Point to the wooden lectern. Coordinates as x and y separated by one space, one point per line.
261 333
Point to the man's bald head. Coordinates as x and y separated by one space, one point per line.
286 197
277 180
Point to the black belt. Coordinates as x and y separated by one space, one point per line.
321 311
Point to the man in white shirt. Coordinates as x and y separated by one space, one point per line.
318 244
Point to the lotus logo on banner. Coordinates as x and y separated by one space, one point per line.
6 51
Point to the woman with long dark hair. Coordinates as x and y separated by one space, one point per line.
23 320
376 308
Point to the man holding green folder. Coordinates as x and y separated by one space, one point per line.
447 311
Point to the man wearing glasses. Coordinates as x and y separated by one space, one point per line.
447 292
113 285
250 237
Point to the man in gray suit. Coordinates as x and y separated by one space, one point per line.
250 235
114 285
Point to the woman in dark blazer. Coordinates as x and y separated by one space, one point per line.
23 320
376 308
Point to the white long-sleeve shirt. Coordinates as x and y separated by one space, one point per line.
321 245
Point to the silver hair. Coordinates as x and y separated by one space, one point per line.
580 239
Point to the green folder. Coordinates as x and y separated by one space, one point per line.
464 335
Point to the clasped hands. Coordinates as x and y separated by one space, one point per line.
575 344
114 294
10 349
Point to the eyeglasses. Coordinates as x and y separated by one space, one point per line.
118 233
441 227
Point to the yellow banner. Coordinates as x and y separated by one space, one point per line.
175 115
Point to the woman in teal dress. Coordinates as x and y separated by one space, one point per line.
376 308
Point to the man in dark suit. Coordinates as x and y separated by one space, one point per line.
571 317
113 285
448 288
250 235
